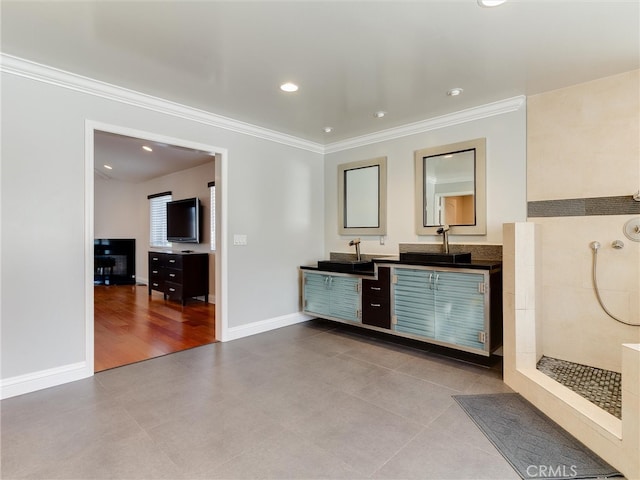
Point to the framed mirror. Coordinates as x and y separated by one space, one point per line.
451 188
362 197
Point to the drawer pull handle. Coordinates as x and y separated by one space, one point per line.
154 271
172 261
172 275
172 289
375 288
375 304
154 259
155 284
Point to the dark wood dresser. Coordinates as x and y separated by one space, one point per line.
179 276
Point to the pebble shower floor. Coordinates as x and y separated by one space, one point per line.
600 387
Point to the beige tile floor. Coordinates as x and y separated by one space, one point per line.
310 401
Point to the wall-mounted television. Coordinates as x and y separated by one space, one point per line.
184 220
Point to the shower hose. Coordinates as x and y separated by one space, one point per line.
595 246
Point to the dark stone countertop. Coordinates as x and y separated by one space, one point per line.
474 264
395 260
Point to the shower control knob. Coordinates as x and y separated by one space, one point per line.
632 229
617 244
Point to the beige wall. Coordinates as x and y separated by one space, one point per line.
121 210
184 184
583 141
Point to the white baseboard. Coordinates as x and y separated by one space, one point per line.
265 325
30 382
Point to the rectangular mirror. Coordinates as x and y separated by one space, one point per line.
450 188
362 197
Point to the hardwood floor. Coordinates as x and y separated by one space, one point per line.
131 326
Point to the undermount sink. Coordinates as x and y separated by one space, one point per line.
457 257
345 266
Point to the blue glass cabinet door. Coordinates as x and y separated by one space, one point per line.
460 308
317 293
414 302
332 296
345 298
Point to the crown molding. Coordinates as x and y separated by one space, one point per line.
476 113
43 73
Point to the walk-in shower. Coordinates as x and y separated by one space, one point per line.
561 352
600 386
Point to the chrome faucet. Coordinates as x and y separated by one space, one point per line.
444 230
356 242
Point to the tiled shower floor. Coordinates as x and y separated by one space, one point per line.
600 387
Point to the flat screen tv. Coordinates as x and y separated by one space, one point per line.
183 220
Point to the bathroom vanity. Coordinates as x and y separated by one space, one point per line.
455 305
441 296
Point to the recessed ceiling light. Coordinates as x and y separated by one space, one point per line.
454 92
379 114
147 148
289 87
490 3
108 167
328 129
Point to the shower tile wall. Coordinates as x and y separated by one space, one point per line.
582 143
574 326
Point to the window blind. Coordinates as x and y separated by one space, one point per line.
212 209
158 219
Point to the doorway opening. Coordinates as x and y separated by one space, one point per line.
456 209
127 322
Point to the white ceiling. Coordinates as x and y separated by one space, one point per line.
129 162
350 58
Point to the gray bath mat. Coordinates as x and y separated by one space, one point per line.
534 445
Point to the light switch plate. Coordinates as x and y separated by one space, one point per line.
239 239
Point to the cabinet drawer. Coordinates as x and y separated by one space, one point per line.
173 261
371 289
377 288
173 275
376 312
156 260
156 284
173 289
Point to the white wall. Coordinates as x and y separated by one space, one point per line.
506 181
274 194
277 202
